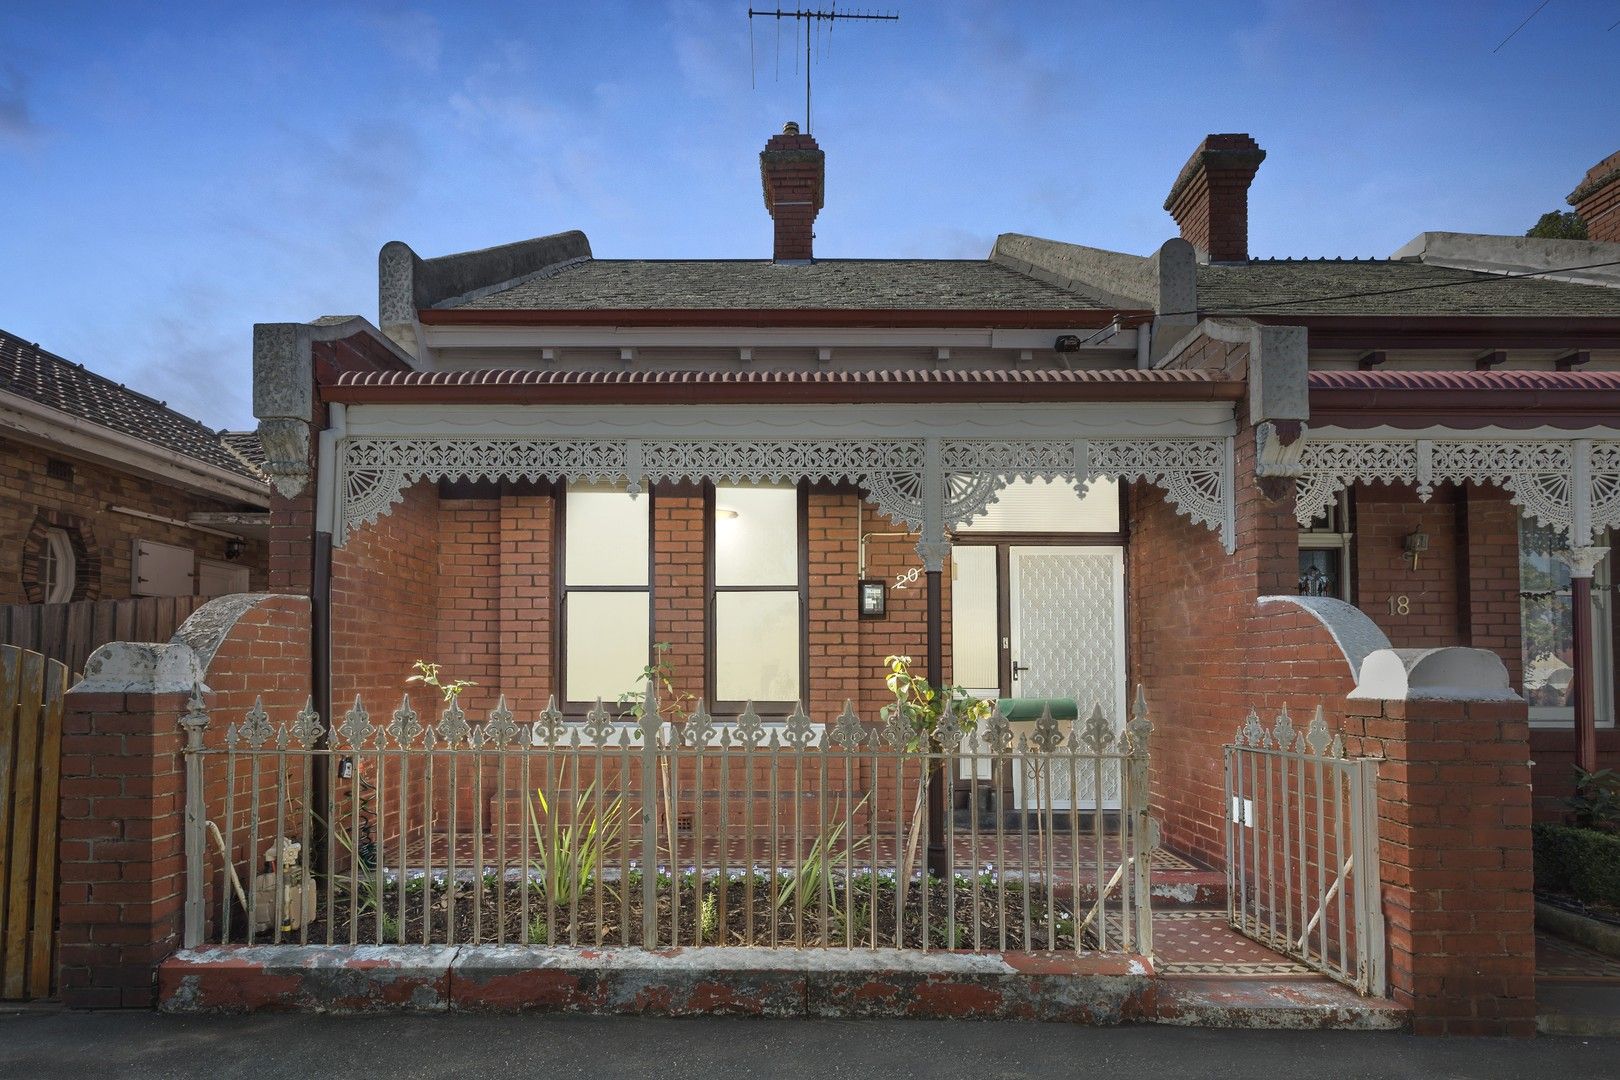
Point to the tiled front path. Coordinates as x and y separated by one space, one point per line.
1557 959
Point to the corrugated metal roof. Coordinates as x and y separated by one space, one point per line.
1496 379
995 377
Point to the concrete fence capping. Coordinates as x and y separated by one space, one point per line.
1356 635
175 666
1444 674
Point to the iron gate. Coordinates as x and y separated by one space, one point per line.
1302 870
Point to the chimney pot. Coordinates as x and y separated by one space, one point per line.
1210 198
1597 200
792 169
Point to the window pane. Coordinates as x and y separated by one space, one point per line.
1546 632
756 536
1319 572
606 536
607 643
756 647
973 618
1051 506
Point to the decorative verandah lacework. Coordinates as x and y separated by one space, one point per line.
930 485
1572 485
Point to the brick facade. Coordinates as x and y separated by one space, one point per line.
122 853
32 499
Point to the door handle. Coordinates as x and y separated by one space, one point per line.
1018 668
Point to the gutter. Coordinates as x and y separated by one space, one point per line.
116 448
1035 318
798 393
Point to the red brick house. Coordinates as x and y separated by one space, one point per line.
107 494
1056 472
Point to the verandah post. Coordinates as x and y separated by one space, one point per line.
938 861
649 818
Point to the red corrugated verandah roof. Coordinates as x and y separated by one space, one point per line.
644 386
1465 398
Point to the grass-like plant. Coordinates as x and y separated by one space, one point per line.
569 854
824 862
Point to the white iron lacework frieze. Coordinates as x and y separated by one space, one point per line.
1572 485
373 471
1192 472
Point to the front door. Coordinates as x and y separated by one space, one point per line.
1066 608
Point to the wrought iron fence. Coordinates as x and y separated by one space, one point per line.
1302 861
654 831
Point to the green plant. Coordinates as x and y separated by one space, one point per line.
1596 802
822 862
673 704
921 706
535 932
428 675
709 913
568 854
1582 863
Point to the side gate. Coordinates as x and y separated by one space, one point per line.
31 703
1302 861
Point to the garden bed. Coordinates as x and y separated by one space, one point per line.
763 912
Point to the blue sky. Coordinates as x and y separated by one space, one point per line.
172 173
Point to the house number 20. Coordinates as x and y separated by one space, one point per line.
1400 605
906 577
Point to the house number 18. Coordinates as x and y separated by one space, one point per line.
1400 605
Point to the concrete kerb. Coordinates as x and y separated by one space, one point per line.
1089 989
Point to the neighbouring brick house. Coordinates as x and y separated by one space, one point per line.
102 487
1056 472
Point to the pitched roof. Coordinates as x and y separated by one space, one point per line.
30 372
1391 287
849 284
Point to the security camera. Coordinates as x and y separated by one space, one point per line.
1066 343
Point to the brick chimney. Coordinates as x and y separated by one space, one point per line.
1210 199
1597 200
791 169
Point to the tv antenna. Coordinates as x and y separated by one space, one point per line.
808 22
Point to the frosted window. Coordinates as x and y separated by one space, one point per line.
607 643
756 646
1037 506
756 536
605 536
975 660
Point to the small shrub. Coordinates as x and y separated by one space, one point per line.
1582 863
1596 802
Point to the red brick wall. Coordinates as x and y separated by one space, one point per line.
122 854
1432 614
1190 609
385 603
1458 901
1464 592
27 493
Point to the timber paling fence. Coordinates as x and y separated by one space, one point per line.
650 831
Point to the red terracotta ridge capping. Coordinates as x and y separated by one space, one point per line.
786 318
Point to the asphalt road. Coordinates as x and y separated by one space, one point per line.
83 1046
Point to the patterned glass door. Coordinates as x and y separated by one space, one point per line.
1068 641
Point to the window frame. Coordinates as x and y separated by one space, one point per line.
733 709
57 550
1606 630
1341 540
559 605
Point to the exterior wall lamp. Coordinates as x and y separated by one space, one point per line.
1414 544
